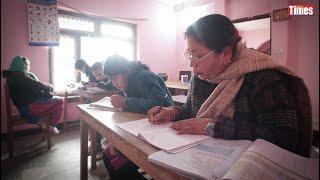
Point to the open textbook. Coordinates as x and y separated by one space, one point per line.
238 159
104 104
161 135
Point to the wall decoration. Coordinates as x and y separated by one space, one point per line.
43 23
280 15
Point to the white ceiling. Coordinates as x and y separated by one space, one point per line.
253 25
172 2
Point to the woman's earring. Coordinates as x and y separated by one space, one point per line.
228 62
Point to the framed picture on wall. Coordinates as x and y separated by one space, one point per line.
280 15
43 23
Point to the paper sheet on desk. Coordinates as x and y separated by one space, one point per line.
73 88
161 136
238 159
210 159
104 104
95 90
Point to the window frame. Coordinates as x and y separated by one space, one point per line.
96 33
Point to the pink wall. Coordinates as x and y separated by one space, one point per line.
206 7
303 53
254 38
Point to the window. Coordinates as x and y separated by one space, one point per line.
119 31
95 49
78 24
92 39
63 63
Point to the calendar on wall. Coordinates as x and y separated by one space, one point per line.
43 23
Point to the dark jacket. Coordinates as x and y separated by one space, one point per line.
90 76
146 90
269 105
24 88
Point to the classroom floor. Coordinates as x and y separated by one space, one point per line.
61 162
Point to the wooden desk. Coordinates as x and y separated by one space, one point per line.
132 147
177 88
68 97
94 96
176 85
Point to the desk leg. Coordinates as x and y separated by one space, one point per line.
93 135
83 150
65 105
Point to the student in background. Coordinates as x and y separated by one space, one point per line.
142 90
32 97
104 82
82 67
255 96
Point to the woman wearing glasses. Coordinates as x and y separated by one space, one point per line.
254 96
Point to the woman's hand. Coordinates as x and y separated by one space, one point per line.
158 114
117 101
190 126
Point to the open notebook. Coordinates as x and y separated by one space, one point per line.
104 104
161 135
238 159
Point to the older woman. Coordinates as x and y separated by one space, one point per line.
32 97
255 96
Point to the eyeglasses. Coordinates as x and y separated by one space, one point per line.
190 57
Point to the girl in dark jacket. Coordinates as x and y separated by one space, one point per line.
32 97
141 90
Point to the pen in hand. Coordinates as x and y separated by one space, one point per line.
121 93
159 110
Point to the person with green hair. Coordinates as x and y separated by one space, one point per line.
32 98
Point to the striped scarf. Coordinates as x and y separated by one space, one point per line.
221 102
